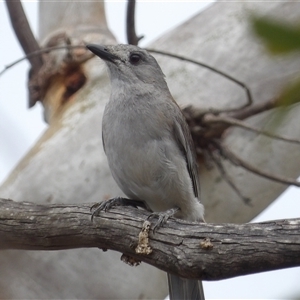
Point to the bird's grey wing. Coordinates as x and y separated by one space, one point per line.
184 139
182 288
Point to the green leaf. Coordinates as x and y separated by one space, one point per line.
290 94
279 37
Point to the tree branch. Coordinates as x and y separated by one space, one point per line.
47 50
23 32
204 251
211 119
204 65
132 38
218 162
235 159
254 109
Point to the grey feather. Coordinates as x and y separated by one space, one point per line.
184 138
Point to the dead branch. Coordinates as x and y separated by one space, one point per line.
132 38
236 160
201 64
211 119
254 109
24 33
218 162
212 128
47 50
179 247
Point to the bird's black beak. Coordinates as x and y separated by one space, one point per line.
102 52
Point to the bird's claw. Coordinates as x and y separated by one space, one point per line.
118 201
162 217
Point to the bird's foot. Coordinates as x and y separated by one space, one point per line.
118 201
162 217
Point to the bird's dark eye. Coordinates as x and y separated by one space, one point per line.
135 58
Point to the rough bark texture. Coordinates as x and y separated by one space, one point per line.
193 250
68 165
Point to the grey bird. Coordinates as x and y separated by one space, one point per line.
149 146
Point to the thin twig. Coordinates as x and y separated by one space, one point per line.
231 156
209 118
41 51
241 84
24 33
254 109
132 38
227 178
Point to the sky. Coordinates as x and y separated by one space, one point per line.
20 127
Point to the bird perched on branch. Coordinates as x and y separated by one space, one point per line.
149 146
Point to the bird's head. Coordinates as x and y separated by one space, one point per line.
130 63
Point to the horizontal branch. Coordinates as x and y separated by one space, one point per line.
205 251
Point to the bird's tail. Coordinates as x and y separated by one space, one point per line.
185 289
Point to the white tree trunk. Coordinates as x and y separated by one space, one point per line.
68 164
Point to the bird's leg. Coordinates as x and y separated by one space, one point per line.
118 201
163 217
